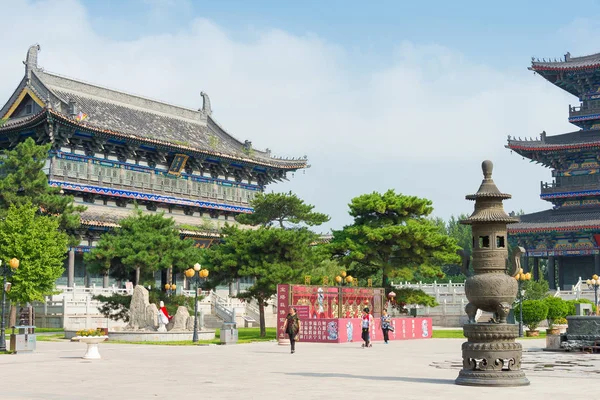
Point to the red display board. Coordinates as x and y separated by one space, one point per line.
317 325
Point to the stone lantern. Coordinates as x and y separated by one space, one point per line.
491 357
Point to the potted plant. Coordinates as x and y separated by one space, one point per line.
534 312
91 337
561 324
557 308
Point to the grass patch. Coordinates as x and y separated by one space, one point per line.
458 334
48 330
245 335
6 352
448 334
59 337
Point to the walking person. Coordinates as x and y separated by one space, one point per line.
367 320
291 326
385 325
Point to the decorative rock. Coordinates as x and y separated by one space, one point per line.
151 316
142 315
179 321
190 324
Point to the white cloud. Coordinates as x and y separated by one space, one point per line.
420 123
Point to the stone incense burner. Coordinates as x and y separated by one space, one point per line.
491 357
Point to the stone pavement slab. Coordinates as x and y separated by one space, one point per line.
418 369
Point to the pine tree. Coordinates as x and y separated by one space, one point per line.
392 233
142 245
23 181
280 209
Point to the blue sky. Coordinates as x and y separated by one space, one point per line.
386 94
507 33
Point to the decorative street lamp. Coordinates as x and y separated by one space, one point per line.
197 272
170 288
594 283
521 277
391 299
7 270
342 278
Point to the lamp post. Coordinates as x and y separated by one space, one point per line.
197 272
391 298
7 270
521 277
594 283
170 288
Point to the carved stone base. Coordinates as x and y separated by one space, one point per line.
491 357
481 378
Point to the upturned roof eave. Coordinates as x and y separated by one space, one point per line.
45 112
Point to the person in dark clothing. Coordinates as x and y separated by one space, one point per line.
367 320
292 327
385 325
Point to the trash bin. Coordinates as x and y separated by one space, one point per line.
229 333
22 339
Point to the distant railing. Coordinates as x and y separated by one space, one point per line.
93 290
222 308
579 111
554 187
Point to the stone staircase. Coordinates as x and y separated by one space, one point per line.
211 321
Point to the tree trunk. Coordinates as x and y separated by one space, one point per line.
261 309
137 276
384 280
12 318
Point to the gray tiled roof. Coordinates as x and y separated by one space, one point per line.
568 62
562 218
119 112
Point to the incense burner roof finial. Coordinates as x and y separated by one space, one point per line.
487 167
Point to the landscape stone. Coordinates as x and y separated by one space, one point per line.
142 314
179 320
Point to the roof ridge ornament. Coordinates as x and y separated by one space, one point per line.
568 57
206 108
31 59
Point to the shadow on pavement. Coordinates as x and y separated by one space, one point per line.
374 378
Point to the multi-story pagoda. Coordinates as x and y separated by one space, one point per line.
112 149
568 235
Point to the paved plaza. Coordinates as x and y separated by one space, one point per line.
420 369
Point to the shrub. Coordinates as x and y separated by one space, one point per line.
115 307
557 308
534 312
560 321
571 305
413 296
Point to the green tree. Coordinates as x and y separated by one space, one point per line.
392 233
271 256
557 308
40 247
281 209
534 312
410 296
142 245
23 181
535 290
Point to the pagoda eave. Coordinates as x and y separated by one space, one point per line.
539 229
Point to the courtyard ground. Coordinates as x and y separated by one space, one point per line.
419 369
